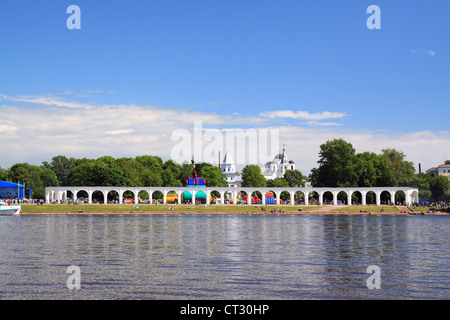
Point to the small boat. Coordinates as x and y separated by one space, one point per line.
7 210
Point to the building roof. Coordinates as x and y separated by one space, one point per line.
227 159
446 165
7 184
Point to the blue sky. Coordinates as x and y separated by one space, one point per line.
311 68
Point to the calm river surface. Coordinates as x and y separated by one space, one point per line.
225 256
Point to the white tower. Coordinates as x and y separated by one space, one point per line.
229 169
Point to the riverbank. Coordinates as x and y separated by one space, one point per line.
146 209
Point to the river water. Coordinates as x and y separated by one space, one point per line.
199 257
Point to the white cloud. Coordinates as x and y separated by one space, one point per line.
430 52
304 115
322 124
35 134
121 131
7 129
48 101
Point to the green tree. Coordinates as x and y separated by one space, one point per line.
403 171
80 173
277 183
368 165
172 166
439 185
34 177
185 172
48 177
337 165
171 173
3 173
61 165
422 181
105 171
294 178
386 175
152 170
252 176
131 170
213 176
170 179
151 178
153 163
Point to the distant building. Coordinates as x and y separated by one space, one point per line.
442 170
278 166
272 169
229 169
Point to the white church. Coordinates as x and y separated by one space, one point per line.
272 169
278 166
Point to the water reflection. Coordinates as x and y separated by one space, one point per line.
224 257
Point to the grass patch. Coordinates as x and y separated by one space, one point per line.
146 208
368 208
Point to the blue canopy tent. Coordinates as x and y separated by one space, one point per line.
11 190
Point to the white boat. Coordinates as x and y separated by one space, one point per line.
7 210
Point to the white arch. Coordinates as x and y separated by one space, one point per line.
58 193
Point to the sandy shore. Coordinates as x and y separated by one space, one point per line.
193 212
95 209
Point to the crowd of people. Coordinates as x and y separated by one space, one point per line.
12 201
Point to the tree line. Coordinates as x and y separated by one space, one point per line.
338 166
341 166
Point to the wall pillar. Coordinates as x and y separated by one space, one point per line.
136 196
335 199
407 198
